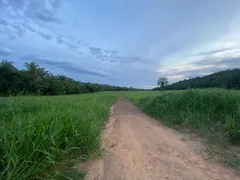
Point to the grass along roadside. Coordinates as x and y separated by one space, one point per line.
37 132
41 136
214 113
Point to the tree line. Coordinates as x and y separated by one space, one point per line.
229 79
36 80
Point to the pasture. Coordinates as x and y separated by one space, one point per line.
37 132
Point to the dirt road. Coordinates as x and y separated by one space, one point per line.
139 148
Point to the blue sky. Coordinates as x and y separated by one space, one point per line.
122 42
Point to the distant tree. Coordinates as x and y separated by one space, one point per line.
32 68
9 78
162 81
229 79
5 64
37 81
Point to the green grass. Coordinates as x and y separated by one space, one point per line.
40 137
214 113
38 132
203 110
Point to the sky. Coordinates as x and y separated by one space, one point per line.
122 42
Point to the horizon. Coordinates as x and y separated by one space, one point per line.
121 43
145 88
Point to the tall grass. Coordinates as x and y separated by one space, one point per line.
213 110
37 132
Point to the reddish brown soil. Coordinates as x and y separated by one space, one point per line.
136 147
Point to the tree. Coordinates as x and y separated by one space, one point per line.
32 68
162 81
229 79
35 76
5 64
35 80
9 78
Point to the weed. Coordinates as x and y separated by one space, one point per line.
234 162
37 132
212 112
203 110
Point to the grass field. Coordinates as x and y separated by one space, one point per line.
37 132
214 113
203 110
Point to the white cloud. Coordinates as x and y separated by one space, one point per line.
222 53
5 51
148 86
156 42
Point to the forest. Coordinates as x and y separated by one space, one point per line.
36 80
228 79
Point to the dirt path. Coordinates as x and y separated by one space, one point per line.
137 147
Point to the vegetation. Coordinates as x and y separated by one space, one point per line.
35 80
162 82
37 132
214 113
229 79
214 110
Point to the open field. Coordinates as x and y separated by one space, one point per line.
37 132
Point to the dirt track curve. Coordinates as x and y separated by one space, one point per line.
139 148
